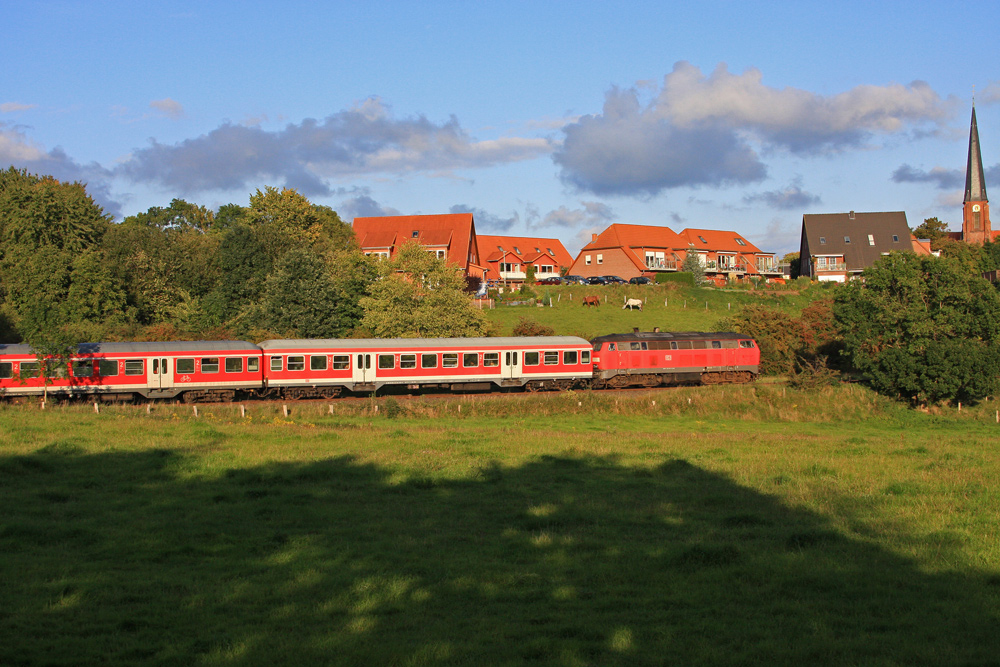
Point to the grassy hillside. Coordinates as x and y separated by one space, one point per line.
701 526
670 307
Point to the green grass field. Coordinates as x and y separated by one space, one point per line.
670 307
721 525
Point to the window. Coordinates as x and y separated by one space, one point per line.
317 362
746 343
847 239
107 367
491 359
441 254
895 239
822 240
570 357
341 362
449 360
740 241
137 367
296 362
30 369
386 361
470 360
186 366
517 250
276 363
551 358
234 364
253 365
530 358
415 234
407 361
585 357
702 239
428 361
6 370
600 259
208 365
673 345
611 347
550 252
716 345
586 260
54 369
871 240
83 369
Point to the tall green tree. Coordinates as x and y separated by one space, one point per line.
692 264
418 295
926 329
284 219
935 230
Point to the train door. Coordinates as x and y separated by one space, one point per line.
363 372
511 365
159 374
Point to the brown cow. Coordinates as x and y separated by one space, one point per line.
591 301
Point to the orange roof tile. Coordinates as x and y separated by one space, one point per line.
455 230
526 245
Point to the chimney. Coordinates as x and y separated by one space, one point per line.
851 215
593 238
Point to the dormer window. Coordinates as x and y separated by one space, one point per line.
517 250
550 252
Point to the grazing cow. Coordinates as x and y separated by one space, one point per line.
633 303
591 301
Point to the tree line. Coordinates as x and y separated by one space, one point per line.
280 267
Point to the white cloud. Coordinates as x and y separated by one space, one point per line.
168 107
710 130
11 107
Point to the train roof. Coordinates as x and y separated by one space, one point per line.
359 343
670 335
146 348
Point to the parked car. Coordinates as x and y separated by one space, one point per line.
640 280
597 280
556 280
574 280
615 280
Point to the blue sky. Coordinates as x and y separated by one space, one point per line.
547 119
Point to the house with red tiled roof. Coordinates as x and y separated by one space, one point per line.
450 236
629 251
507 258
727 255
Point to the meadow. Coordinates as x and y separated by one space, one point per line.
692 526
672 307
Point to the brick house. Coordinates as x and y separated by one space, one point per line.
728 256
450 236
629 251
838 246
507 258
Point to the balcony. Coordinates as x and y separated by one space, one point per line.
830 266
661 265
715 267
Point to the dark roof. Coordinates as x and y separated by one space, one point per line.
828 234
670 335
145 347
975 184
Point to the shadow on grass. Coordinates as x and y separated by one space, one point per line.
123 559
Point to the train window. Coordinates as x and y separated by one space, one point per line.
470 359
685 345
551 358
317 362
407 361
137 366
208 365
746 343
428 361
30 369
491 359
234 365
386 361
570 357
530 358
611 347
296 362
699 345
276 363
585 357
6 370
253 364
716 345
449 360
55 368
341 362
184 366
83 369
107 367
673 345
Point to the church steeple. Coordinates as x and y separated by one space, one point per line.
976 227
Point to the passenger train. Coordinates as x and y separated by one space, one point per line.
207 371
